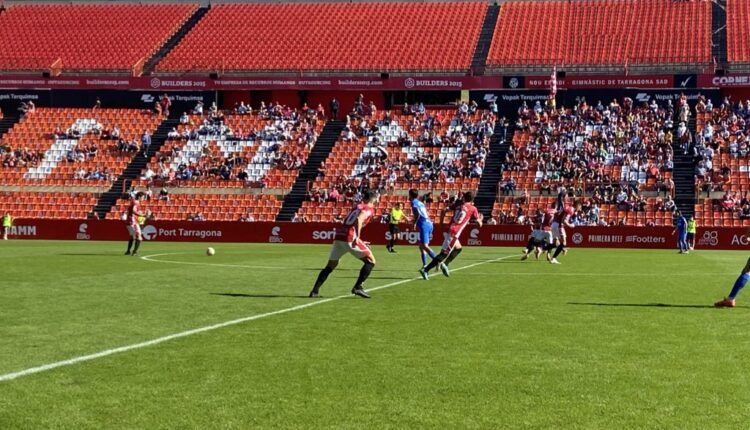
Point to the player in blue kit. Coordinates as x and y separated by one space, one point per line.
680 228
423 223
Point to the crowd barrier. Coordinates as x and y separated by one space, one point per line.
322 233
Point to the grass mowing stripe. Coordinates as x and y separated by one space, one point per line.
108 352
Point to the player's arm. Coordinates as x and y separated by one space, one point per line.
358 223
443 211
479 219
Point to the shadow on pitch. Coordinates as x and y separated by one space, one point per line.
647 305
258 296
84 254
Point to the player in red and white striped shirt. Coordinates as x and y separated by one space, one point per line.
463 212
348 240
134 224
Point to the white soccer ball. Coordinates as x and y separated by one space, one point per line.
210 251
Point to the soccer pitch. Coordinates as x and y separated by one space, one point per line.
610 338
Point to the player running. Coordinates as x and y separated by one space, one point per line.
134 217
559 222
463 212
348 239
423 224
739 284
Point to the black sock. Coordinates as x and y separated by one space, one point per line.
130 244
392 242
530 245
137 245
559 250
322 276
435 261
364 272
453 255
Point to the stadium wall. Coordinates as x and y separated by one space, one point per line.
323 233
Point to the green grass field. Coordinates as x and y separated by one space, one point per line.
609 339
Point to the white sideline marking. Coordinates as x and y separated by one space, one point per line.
105 353
150 258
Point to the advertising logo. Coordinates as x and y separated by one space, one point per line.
83 232
155 83
409 83
149 232
275 235
709 238
474 238
577 238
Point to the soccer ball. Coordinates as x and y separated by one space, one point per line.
210 251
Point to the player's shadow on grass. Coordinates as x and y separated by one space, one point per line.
259 296
647 305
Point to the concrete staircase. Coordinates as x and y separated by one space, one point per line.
109 198
683 175
173 41
479 60
7 123
325 143
499 145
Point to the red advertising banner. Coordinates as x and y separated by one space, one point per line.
323 233
253 83
602 81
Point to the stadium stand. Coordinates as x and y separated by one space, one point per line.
431 150
72 147
590 211
592 144
48 205
207 207
613 153
738 31
620 33
722 170
377 37
82 37
265 149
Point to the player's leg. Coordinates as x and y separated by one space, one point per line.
448 242
559 236
337 251
6 230
131 239
425 235
138 236
364 253
393 230
739 284
322 276
529 247
685 245
454 253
